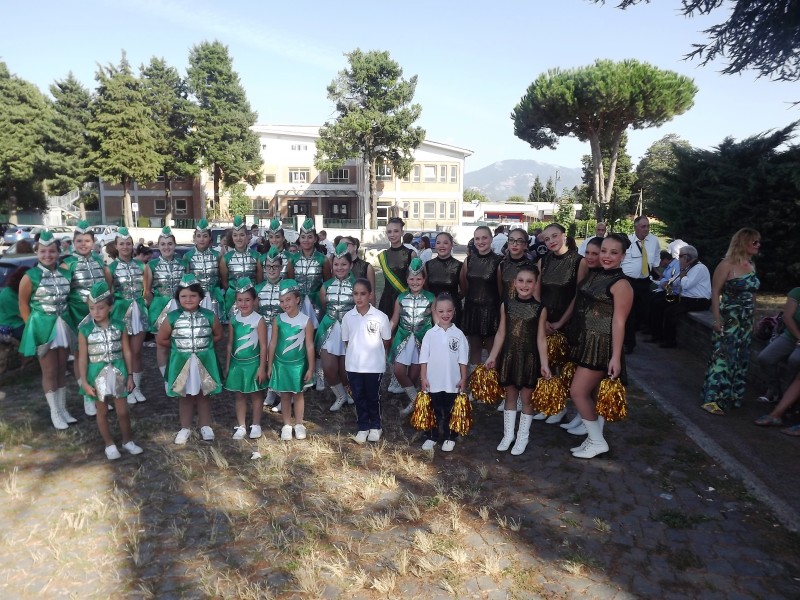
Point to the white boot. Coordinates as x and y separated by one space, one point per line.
509 419
341 397
556 418
61 395
88 406
55 414
137 391
579 429
595 444
271 398
573 423
320 376
522 434
394 386
540 416
164 377
411 392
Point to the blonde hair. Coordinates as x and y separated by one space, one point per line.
737 250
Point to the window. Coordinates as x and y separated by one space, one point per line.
383 172
417 173
181 206
442 173
269 178
161 206
298 175
452 210
453 173
339 176
430 173
429 210
299 147
263 146
415 210
442 209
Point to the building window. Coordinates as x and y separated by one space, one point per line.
298 175
339 176
383 172
269 178
263 146
161 206
415 210
181 206
442 173
429 210
442 209
452 211
430 173
417 173
299 147
453 173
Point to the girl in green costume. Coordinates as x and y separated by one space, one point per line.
192 374
43 295
291 359
411 320
237 263
309 269
104 354
268 292
247 358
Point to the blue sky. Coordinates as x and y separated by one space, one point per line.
474 59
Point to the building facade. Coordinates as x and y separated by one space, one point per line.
150 201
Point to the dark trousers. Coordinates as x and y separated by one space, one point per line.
638 315
366 388
674 310
658 304
442 404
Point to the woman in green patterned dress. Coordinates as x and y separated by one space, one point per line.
733 289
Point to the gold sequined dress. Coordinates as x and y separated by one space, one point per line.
442 275
482 305
509 267
519 362
559 282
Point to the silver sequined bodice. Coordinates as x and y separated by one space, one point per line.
166 277
86 271
308 273
205 266
128 278
104 345
269 301
192 332
340 298
51 294
414 310
241 264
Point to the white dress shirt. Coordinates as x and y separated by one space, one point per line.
696 283
632 263
443 350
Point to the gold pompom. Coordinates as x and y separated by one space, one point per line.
611 402
567 373
422 418
550 396
557 349
461 415
485 385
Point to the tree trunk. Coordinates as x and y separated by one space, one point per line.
612 166
168 199
127 213
215 206
82 209
597 167
11 202
373 195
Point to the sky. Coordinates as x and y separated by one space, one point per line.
474 60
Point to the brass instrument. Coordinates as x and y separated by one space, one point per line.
669 294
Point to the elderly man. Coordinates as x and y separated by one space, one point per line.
599 231
694 293
643 255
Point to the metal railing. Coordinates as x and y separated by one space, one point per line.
344 223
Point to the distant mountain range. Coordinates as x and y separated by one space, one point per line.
507 178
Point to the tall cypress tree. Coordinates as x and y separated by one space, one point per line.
123 132
167 97
223 119
537 191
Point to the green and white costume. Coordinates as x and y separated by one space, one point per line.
105 371
269 305
291 360
308 274
166 276
415 321
129 306
240 264
245 354
84 272
205 266
192 367
339 294
46 328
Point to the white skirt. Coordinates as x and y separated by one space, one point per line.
409 355
334 344
62 335
136 320
308 309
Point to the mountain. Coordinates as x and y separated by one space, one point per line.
507 178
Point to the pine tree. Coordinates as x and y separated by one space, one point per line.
537 191
166 95
549 194
123 133
223 119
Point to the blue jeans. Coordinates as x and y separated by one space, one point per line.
366 388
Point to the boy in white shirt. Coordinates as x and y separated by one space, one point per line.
443 358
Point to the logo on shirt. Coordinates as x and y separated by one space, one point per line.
373 327
453 344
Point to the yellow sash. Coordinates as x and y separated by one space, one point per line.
389 274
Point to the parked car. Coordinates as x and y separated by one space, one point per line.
58 231
104 233
4 225
9 265
431 235
17 233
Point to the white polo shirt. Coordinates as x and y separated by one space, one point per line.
443 350
364 335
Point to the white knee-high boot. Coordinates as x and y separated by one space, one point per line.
595 444
509 419
411 392
61 395
137 391
55 414
522 434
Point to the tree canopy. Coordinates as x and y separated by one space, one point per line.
598 104
223 118
537 191
374 119
473 195
621 203
759 35
658 161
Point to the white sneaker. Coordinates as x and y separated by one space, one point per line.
132 448
89 408
374 435
300 431
239 432
139 395
361 437
286 433
183 436
207 433
429 444
407 410
112 453
255 431
338 403
448 446
276 408
131 399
